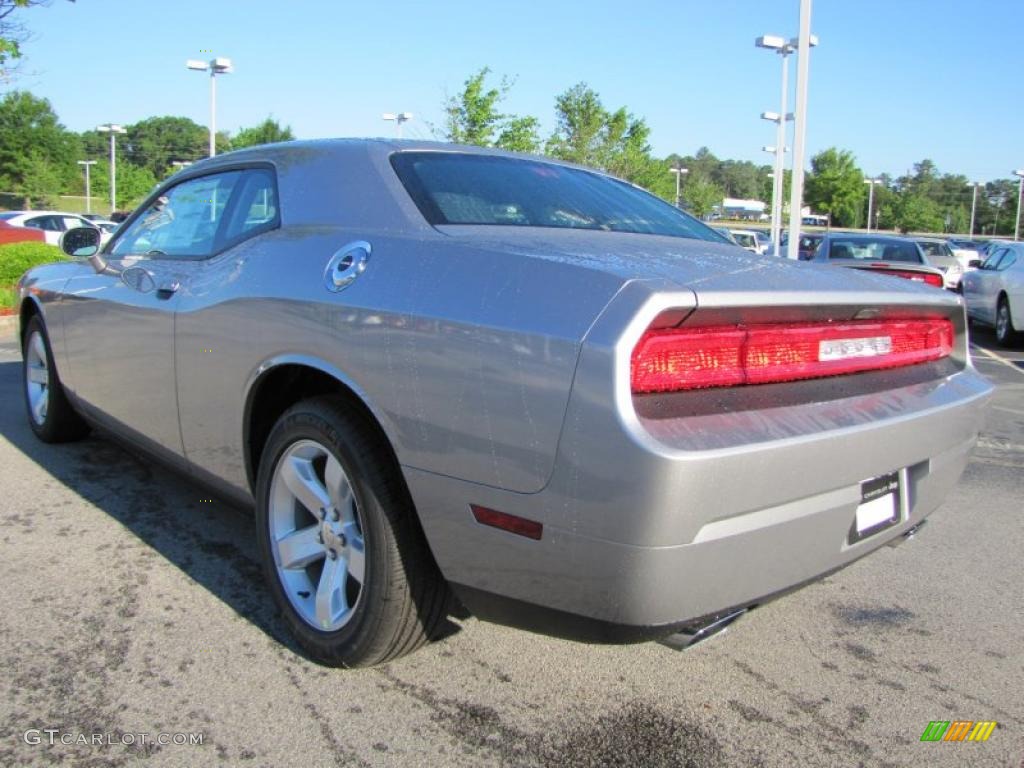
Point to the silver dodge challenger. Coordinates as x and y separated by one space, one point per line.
446 376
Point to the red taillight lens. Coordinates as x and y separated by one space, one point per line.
724 356
917 277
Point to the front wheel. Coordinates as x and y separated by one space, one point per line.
50 415
1005 334
342 550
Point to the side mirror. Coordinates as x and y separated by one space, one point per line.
80 242
84 243
974 263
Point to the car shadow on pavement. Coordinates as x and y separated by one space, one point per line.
210 540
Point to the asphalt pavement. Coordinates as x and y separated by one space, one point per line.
132 612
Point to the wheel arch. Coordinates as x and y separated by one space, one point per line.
30 307
281 382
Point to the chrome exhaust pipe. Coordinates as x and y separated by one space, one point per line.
908 534
691 636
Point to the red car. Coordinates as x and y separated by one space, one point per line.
10 234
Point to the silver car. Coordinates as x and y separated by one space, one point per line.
443 372
994 292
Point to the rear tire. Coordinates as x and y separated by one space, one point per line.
50 415
1006 336
354 578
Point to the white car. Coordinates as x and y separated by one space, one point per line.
941 256
750 239
52 223
994 292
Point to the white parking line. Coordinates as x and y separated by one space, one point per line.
997 357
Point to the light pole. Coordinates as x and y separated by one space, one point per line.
974 202
783 48
679 171
997 201
88 188
113 130
217 66
1020 195
796 199
871 197
399 118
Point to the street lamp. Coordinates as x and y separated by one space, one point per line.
778 177
88 189
113 130
679 171
1020 194
217 66
803 44
179 164
997 200
871 197
781 46
399 118
974 202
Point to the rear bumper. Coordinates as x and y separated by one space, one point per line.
654 524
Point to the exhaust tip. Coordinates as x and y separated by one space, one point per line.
697 634
908 534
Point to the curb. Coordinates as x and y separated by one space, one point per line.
8 325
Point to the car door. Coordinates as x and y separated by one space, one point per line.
974 287
119 327
987 285
50 225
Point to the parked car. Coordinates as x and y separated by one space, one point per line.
883 254
809 243
939 255
52 223
967 250
459 371
12 234
994 293
750 239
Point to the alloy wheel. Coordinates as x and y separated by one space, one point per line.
37 378
316 535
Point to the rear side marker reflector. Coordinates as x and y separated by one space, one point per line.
669 360
531 529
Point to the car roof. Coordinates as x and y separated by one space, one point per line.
871 237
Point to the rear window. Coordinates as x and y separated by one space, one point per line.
458 188
873 250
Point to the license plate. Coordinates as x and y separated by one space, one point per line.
879 506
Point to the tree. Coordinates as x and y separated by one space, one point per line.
916 213
40 182
156 142
267 132
701 195
617 142
29 127
836 186
133 182
472 117
12 34
520 134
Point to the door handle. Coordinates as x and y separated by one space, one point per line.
168 289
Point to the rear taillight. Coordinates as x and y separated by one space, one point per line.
928 278
673 359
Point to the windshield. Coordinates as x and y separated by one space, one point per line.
458 188
873 250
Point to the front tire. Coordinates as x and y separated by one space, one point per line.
342 550
50 415
1005 335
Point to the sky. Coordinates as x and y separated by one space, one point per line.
894 81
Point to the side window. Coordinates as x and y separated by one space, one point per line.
70 222
1008 261
254 208
992 261
183 222
48 223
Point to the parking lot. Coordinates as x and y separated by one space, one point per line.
133 604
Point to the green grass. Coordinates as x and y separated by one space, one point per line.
16 259
8 297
